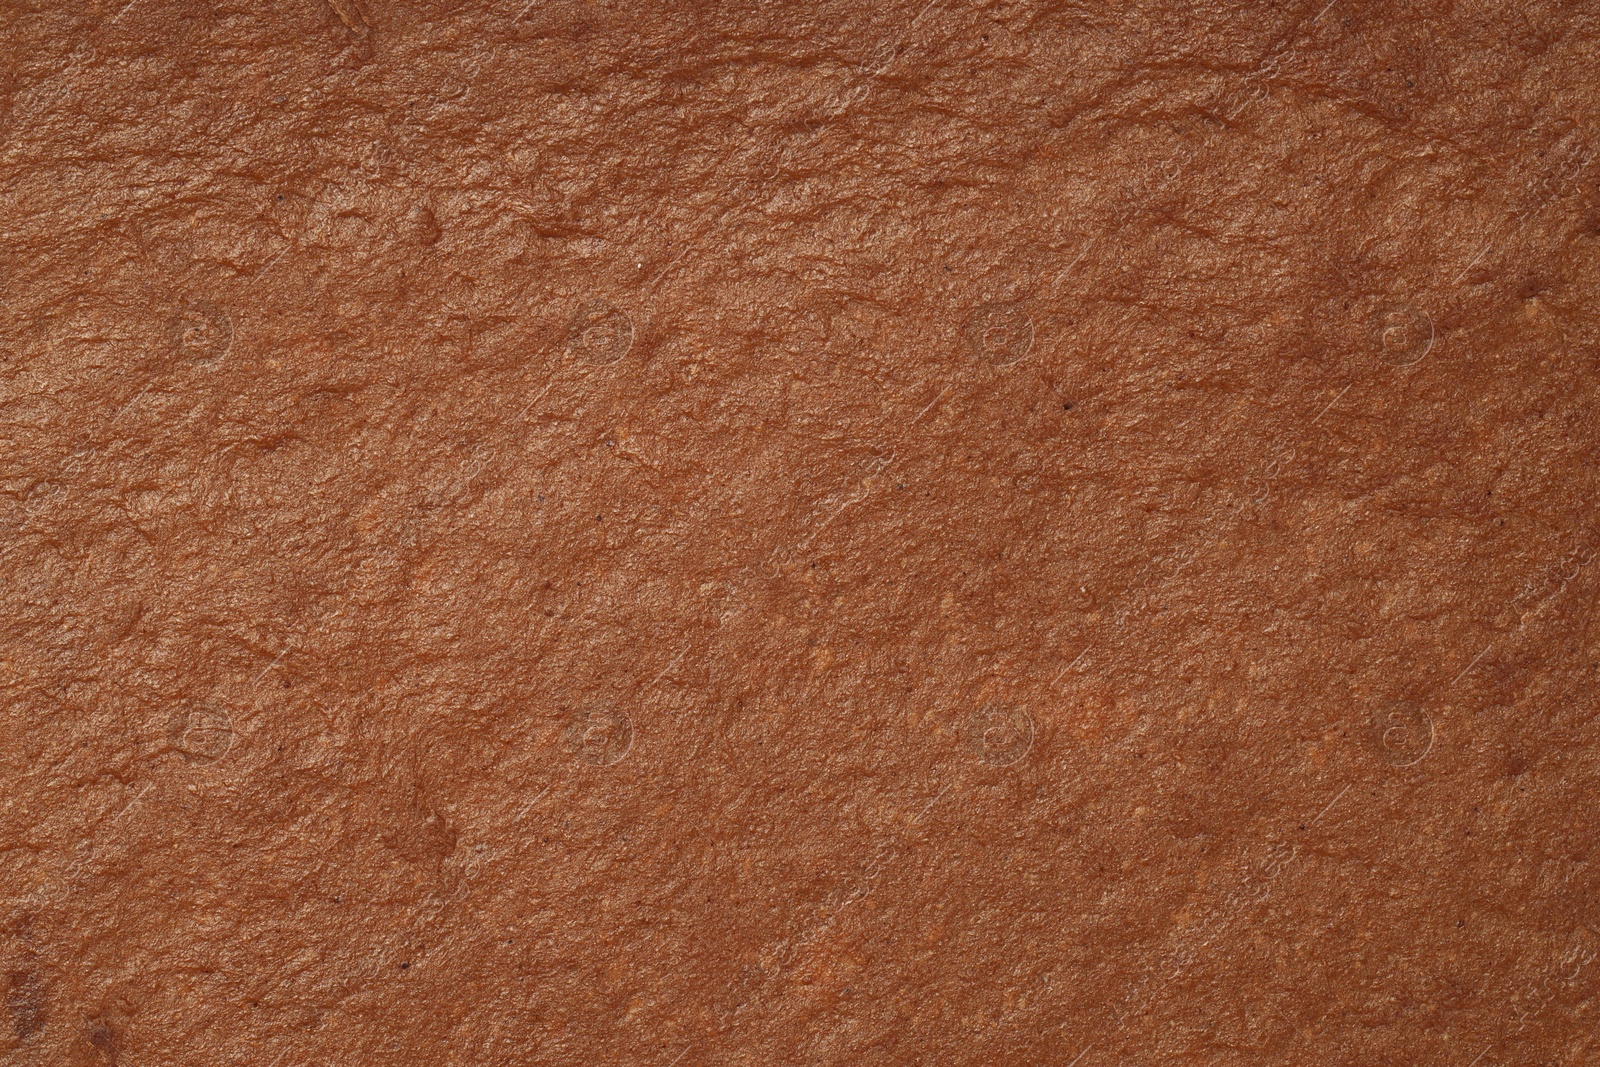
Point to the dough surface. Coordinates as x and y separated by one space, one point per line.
935 532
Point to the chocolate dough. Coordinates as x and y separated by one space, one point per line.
936 532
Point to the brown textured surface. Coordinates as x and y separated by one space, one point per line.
828 533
